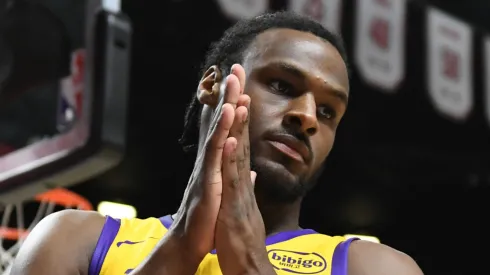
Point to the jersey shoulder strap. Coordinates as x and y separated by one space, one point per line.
124 243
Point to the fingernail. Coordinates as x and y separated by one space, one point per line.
232 69
244 119
253 176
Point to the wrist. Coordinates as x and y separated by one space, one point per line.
263 265
254 262
170 257
190 250
187 259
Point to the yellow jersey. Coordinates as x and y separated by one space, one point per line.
125 243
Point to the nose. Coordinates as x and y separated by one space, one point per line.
302 115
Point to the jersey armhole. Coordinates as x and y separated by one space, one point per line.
106 238
340 257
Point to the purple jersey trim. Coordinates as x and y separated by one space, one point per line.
340 255
167 221
107 236
287 235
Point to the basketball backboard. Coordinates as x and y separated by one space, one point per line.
63 92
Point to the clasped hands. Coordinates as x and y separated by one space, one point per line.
240 232
219 210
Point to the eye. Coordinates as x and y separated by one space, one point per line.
326 112
281 87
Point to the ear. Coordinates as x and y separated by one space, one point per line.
209 85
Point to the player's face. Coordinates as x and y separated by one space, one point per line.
299 86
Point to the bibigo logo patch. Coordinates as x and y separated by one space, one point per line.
297 262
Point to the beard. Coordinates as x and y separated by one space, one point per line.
277 185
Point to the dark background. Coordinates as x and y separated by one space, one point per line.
399 170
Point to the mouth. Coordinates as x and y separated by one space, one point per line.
291 147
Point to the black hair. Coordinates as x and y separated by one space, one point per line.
230 48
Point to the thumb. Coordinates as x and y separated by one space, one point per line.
253 176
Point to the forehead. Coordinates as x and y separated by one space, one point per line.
304 50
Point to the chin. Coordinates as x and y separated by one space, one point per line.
276 182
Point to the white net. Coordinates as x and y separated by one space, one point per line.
20 218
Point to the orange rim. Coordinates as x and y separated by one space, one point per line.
65 198
12 234
58 196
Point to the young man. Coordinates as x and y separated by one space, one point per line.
263 130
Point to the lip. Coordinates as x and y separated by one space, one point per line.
291 146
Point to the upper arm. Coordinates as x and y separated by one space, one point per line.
61 244
368 258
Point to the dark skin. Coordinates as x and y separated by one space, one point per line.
296 91
297 83
227 205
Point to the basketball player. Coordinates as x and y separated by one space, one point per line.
266 127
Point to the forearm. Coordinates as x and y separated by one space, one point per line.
251 263
259 270
170 257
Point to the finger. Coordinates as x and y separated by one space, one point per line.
236 131
232 90
243 100
240 116
239 71
231 95
243 147
253 176
230 171
213 150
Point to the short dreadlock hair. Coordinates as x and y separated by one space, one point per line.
235 41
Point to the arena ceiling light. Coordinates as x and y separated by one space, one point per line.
117 210
363 237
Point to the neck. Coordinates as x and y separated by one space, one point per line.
279 217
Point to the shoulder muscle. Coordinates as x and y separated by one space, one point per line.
368 258
62 243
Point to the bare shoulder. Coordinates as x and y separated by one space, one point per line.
366 258
72 218
68 236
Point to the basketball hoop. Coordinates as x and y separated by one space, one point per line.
46 203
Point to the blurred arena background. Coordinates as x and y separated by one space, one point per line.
411 164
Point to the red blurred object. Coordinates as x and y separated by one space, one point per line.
5 149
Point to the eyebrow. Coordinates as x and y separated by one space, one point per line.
295 71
